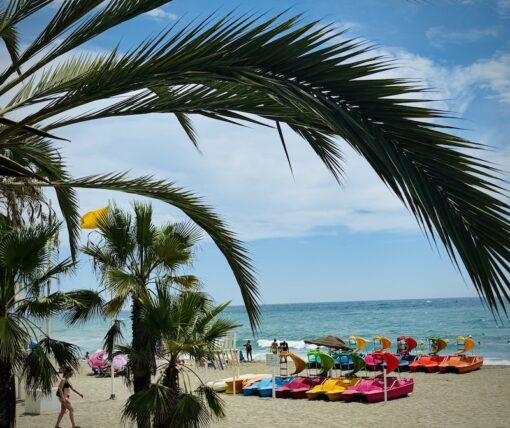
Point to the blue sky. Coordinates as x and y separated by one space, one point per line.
310 239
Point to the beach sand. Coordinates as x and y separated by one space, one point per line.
478 399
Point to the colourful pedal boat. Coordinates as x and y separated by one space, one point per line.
264 387
242 381
458 364
430 363
298 387
332 389
372 391
427 363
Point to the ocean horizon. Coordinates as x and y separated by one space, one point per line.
295 322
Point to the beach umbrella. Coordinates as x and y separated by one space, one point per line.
98 359
119 362
329 342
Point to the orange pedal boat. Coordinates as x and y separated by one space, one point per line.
430 363
460 362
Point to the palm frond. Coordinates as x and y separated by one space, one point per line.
187 282
14 12
199 213
214 401
38 370
14 339
83 305
122 284
47 163
10 37
191 411
149 405
11 127
113 338
114 306
63 267
116 229
47 86
77 19
25 249
42 306
145 232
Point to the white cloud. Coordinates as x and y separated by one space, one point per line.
159 13
504 8
242 172
441 36
456 85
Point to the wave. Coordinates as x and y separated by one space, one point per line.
495 362
293 344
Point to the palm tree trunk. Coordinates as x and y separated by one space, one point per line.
171 381
141 369
7 395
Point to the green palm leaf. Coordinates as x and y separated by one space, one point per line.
198 212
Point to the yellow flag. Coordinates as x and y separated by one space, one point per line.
90 220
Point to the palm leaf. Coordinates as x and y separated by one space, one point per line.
47 163
38 370
14 339
214 401
77 19
148 405
199 213
41 307
113 338
83 305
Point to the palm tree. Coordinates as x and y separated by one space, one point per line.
247 68
133 256
24 271
188 324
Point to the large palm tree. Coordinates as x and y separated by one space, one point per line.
188 324
133 257
247 68
24 272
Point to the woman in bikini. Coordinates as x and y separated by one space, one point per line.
63 393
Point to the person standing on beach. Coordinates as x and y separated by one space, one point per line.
248 347
63 394
274 347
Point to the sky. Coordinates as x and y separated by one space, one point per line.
310 239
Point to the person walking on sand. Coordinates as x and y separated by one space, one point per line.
63 394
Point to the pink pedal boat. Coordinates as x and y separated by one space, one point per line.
298 387
372 391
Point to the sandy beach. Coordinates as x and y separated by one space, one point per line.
478 399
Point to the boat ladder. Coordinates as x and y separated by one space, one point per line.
283 367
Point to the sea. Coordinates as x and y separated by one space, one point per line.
420 318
